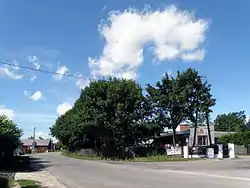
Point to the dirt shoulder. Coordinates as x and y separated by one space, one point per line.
44 177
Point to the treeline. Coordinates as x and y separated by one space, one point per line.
238 124
112 115
10 136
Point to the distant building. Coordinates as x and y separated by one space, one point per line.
185 135
41 146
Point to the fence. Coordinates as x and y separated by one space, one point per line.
242 150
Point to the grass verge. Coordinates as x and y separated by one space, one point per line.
157 158
161 158
28 184
81 156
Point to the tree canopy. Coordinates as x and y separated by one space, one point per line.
9 138
231 122
113 114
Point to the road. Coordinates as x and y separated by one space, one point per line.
76 173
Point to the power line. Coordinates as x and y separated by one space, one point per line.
40 70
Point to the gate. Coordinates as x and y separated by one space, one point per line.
225 151
248 149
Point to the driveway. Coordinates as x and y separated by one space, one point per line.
75 173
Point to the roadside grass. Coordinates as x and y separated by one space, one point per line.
81 156
28 184
157 158
161 158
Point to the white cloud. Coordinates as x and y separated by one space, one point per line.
33 78
172 34
82 83
34 96
60 71
34 61
196 55
247 118
11 71
7 112
63 108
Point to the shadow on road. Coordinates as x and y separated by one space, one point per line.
10 167
25 164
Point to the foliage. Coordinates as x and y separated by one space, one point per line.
184 97
231 122
238 138
168 101
105 117
9 138
199 98
112 115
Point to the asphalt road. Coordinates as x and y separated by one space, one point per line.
76 173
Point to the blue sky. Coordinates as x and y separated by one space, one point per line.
89 39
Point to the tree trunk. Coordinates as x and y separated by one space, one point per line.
208 128
195 127
174 132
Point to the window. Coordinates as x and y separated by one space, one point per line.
202 140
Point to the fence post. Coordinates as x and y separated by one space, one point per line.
220 151
231 151
185 152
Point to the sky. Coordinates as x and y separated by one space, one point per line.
139 39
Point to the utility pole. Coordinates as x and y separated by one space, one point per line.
34 140
34 134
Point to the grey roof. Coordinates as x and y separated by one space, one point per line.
39 142
221 133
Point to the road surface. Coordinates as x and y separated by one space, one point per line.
74 173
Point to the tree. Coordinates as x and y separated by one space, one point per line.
248 124
231 122
106 116
198 95
9 138
169 101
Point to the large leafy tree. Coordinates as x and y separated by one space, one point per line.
9 138
231 122
199 98
169 101
106 115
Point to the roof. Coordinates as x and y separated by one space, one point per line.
221 133
39 142
186 132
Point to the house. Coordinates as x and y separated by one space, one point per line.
40 146
185 135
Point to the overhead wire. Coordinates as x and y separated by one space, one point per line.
41 70
46 71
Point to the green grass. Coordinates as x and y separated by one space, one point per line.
81 156
157 158
28 184
161 158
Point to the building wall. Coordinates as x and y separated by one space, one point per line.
202 131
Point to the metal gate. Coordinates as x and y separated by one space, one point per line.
225 151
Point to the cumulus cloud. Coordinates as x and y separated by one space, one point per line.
82 83
60 71
247 118
6 111
11 71
33 78
63 108
34 96
34 61
171 34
